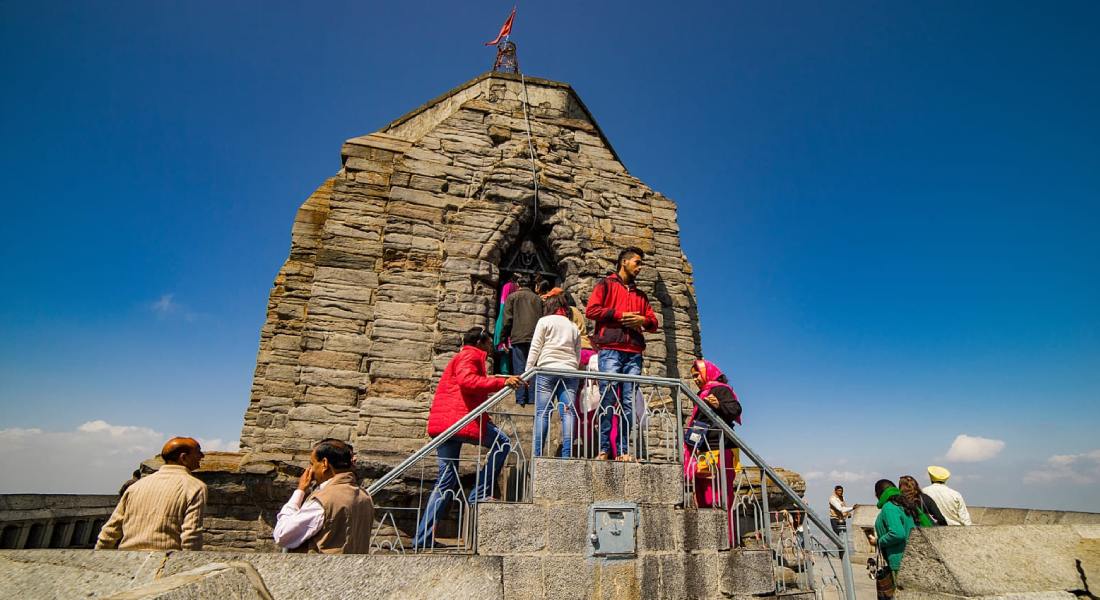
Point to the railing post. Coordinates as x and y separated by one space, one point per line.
846 565
677 444
806 543
767 510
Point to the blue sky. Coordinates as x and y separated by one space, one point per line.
891 211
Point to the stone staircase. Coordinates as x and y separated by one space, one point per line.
550 547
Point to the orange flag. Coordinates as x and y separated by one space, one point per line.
505 30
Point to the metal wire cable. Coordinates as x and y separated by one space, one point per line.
531 151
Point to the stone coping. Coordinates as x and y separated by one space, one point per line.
34 574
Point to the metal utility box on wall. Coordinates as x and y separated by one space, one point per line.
612 528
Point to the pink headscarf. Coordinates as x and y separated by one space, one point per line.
711 373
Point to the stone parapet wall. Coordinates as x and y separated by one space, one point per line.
53 520
1010 561
862 523
400 252
56 574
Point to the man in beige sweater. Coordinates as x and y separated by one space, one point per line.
164 510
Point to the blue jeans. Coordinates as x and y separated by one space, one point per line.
564 389
446 483
519 365
627 363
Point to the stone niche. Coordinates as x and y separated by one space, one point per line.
402 250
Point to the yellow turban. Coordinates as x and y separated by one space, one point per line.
938 474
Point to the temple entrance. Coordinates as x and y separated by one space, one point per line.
528 264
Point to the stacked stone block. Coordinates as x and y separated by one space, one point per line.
681 553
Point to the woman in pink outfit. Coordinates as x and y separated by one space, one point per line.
704 463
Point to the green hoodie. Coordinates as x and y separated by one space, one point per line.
892 528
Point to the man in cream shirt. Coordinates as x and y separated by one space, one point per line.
164 510
951 503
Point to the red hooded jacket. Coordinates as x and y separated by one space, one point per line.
462 388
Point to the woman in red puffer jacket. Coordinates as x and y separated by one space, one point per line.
464 386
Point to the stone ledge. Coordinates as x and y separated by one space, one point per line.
34 574
975 562
216 580
299 576
678 575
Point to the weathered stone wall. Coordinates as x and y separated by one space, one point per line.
399 253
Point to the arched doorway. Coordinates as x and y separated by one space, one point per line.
528 263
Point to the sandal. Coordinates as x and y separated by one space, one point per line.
625 458
601 456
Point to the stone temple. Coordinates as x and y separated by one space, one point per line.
407 246
391 259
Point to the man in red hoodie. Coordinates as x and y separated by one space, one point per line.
622 313
463 387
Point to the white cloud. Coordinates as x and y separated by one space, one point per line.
968 448
1081 468
94 458
217 445
166 307
835 476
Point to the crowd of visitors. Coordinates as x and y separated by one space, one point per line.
540 326
905 507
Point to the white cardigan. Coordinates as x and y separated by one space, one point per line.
556 344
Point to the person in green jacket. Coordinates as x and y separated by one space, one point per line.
896 518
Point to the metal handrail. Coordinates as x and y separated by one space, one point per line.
491 402
767 471
447 434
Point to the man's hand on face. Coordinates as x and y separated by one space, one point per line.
633 320
515 382
306 479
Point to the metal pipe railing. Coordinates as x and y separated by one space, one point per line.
491 403
675 385
768 472
447 434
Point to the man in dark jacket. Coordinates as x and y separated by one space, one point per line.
463 387
622 313
522 310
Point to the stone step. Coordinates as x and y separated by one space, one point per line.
745 572
516 528
662 575
576 481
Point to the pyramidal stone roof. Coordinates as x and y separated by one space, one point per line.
414 123
400 251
